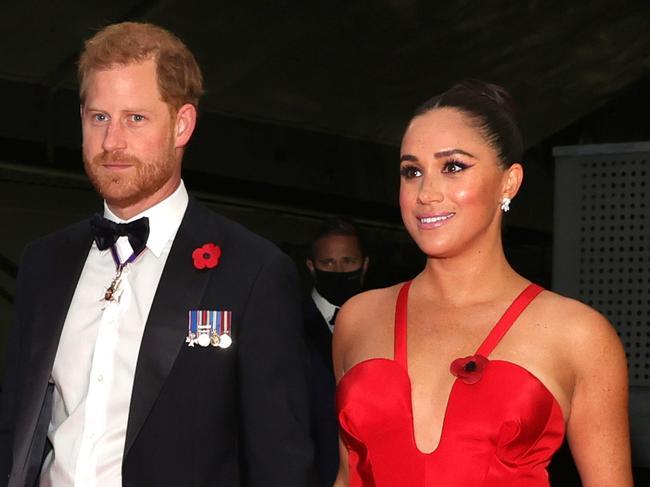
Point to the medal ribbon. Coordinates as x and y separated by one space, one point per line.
121 265
214 322
109 295
225 322
193 322
210 323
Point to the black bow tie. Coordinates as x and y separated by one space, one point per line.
107 232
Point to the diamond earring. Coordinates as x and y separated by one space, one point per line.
505 204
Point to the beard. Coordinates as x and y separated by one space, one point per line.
128 187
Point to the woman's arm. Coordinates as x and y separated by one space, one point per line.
343 339
598 426
342 476
355 341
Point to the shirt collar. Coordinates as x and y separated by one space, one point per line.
326 308
164 218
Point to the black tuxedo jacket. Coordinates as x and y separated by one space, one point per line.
324 424
198 416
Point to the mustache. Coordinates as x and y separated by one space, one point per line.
117 157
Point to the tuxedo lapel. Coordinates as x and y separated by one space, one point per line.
324 340
61 272
180 289
318 331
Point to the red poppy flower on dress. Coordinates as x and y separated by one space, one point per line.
207 256
469 369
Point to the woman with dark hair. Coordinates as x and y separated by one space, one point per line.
469 375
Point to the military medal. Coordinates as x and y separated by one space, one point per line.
224 338
204 339
191 327
199 331
209 328
215 327
114 290
226 341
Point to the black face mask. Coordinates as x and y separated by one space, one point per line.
338 287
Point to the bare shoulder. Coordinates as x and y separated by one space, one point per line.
368 304
584 331
597 426
364 327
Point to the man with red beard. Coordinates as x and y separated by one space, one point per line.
159 344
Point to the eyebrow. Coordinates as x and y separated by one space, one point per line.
451 152
90 108
408 157
438 155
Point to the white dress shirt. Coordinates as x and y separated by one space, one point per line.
326 308
95 362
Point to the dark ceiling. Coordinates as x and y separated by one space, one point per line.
356 68
313 95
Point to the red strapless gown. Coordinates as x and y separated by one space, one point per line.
500 429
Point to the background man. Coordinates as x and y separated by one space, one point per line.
338 266
165 352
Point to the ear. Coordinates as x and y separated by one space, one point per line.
185 124
310 265
512 178
81 117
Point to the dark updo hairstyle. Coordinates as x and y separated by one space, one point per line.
492 110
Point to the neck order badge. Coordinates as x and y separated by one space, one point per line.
209 327
106 233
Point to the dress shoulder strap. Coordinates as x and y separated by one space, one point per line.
509 317
400 325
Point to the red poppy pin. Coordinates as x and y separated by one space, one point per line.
206 256
469 369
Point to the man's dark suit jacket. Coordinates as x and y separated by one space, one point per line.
324 425
198 416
